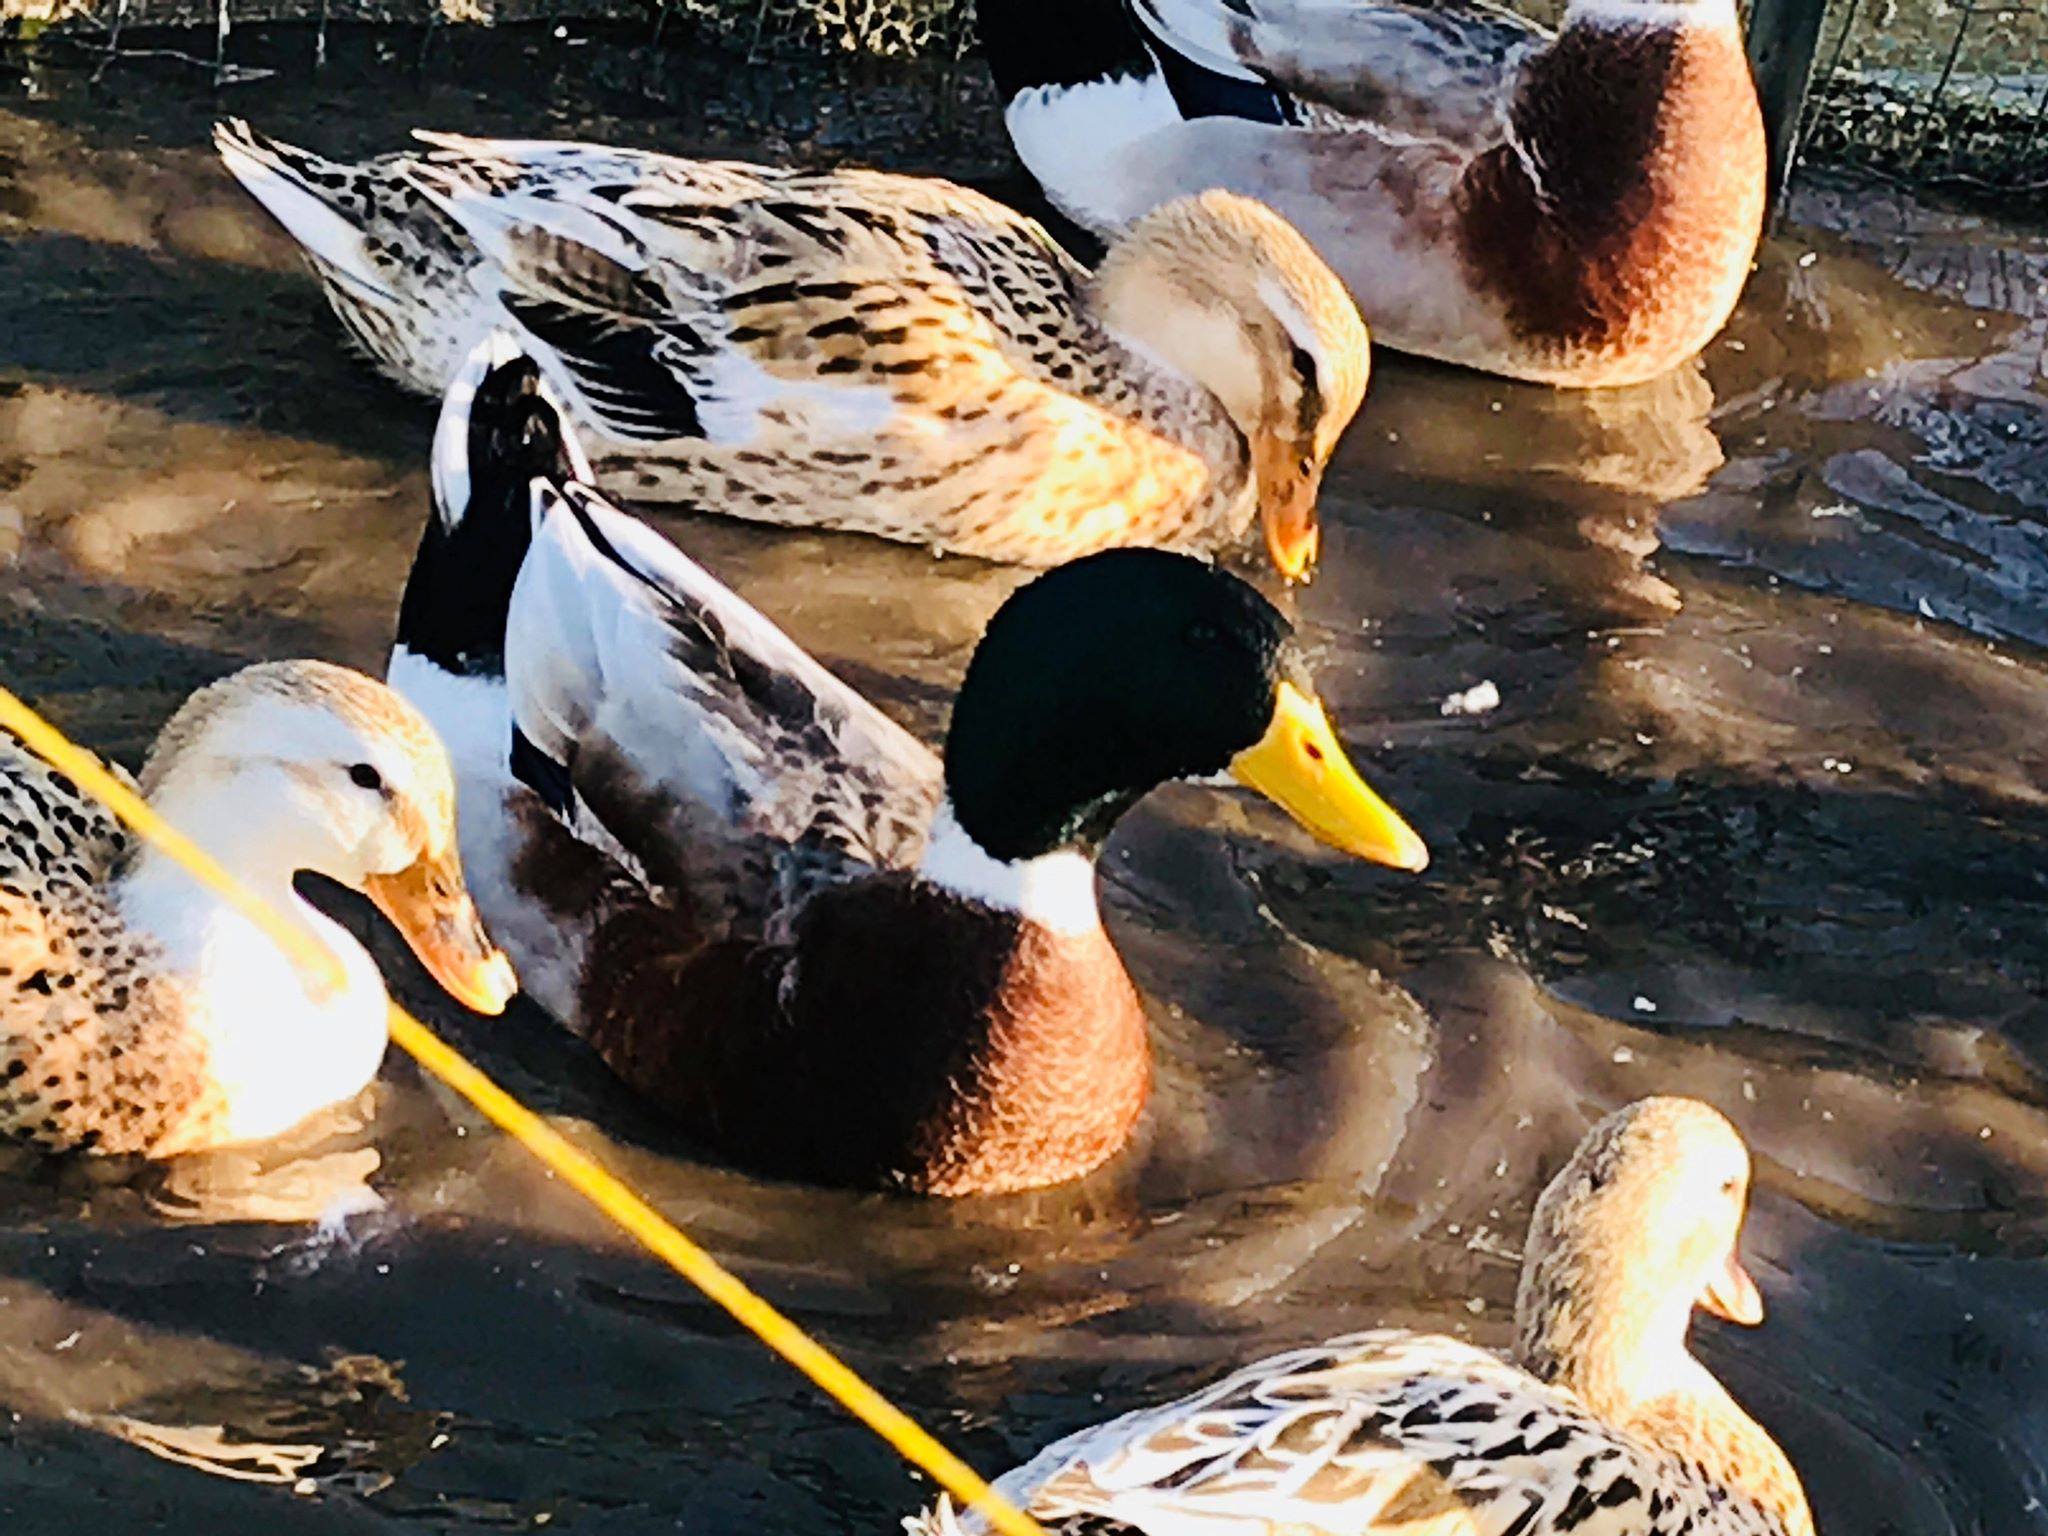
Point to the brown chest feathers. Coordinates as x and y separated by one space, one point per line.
905 1040
1617 225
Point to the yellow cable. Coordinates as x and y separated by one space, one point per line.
576 1168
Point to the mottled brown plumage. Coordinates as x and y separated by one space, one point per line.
850 348
95 1049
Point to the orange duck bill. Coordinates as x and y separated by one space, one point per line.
1289 479
429 904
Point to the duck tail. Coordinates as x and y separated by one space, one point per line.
502 429
323 204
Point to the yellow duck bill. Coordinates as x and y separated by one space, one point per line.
1301 767
429 904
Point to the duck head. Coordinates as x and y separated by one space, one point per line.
1109 676
300 765
1640 1227
1223 291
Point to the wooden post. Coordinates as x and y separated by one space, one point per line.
1783 36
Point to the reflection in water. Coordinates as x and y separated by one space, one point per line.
1759 817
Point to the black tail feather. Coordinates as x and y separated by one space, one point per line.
496 438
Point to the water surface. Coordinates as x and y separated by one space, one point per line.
1759 817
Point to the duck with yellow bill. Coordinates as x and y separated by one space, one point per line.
826 952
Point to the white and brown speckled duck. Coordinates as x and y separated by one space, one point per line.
850 349
1579 209
141 1014
824 952
1604 1423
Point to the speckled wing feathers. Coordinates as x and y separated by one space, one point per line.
848 349
93 1051
1379 1432
900 357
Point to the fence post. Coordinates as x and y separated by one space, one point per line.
1783 37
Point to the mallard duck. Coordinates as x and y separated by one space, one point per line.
140 1013
826 953
1603 1424
851 349
1578 209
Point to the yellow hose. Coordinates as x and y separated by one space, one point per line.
576 1168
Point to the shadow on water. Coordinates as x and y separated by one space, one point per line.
1753 808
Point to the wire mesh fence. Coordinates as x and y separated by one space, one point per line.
1935 92
1930 92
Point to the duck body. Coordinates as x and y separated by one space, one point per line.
1387 1431
140 1013
898 356
1603 1423
1578 209
743 884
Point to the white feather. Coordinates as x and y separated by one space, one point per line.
1653 13
1055 890
1073 138
328 237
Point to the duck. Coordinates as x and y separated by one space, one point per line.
1602 1423
1578 208
822 951
853 349
143 1015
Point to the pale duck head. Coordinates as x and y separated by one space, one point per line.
1640 1227
1223 291
299 766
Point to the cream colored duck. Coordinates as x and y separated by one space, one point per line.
850 349
139 1013
1578 208
1604 1423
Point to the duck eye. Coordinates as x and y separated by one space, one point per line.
363 776
1731 1186
1310 409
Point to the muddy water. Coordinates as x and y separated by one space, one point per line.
1760 817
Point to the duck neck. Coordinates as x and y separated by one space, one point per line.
1613 1353
1055 889
261 845
1638 110
1137 382
1630 1366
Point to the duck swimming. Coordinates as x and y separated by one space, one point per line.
850 349
826 953
1578 208
1603 1424
140 1013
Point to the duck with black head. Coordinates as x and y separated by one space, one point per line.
1578 208
826 952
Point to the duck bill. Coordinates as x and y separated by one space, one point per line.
1300 766
1732 1295
430 906
1288 480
